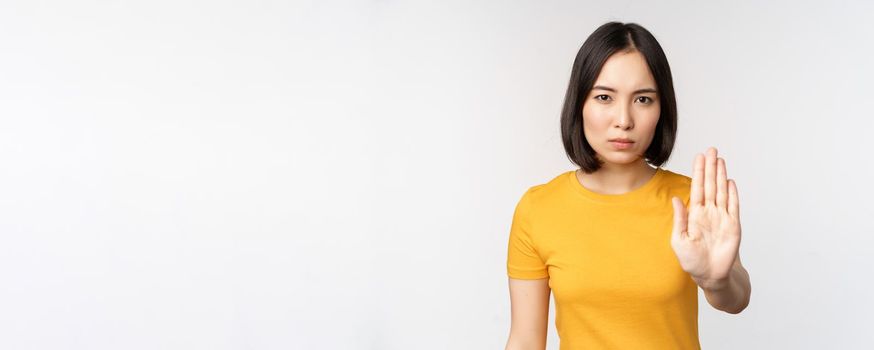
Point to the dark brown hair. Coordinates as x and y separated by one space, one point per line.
608 39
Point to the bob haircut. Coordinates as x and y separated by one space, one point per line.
608 39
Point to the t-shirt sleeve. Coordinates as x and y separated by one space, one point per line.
523 261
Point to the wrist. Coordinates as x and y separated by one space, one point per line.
713 285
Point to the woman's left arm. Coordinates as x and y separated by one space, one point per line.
733 294
706 236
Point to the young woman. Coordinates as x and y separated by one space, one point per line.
622 243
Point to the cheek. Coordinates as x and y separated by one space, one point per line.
649 117
595 117
653 119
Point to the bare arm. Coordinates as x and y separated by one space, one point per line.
733 294
529 309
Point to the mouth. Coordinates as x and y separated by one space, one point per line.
621 144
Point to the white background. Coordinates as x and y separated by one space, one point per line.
315 175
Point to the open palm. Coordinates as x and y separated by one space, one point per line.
706 241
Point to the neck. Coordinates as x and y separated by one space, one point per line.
614 178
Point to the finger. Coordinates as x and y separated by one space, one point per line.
710 177
696 197
680 219
721 184
733 201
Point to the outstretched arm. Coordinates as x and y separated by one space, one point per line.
706 237
733 295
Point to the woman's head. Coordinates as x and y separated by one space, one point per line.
620 87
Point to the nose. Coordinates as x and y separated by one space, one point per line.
623 118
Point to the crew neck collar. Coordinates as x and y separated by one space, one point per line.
626 197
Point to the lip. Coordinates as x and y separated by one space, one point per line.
621 144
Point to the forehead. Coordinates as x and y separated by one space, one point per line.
626 71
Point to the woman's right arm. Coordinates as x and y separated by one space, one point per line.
529 313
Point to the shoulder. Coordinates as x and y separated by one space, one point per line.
675 178
677 183
554 186
553 190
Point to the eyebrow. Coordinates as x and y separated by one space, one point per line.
600 87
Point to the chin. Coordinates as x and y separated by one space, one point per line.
622 158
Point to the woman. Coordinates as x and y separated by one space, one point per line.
614 241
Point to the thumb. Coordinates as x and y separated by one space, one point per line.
680 218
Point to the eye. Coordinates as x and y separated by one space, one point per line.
646 99
600 99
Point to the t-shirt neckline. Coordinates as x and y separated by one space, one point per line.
634 194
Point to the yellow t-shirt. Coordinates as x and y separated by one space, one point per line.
615 279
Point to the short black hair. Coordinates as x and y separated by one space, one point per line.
608 39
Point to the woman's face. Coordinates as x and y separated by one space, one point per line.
623 103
